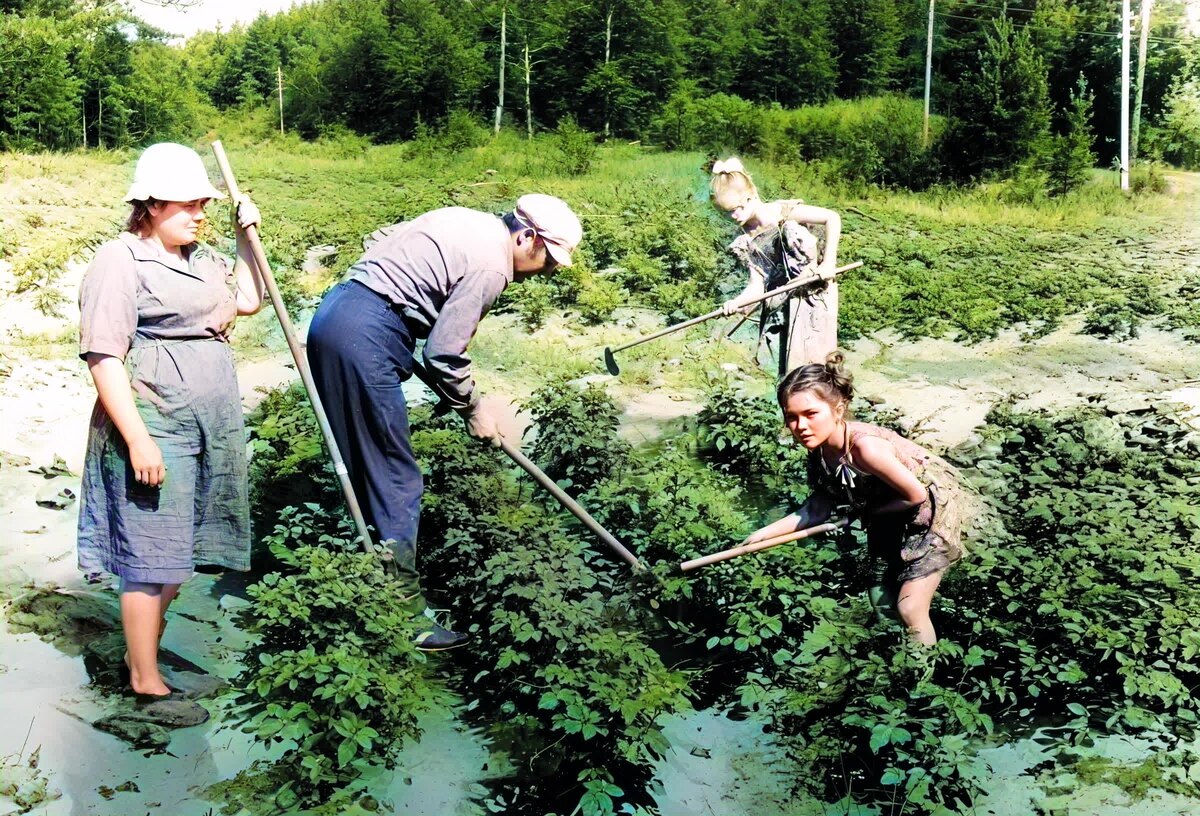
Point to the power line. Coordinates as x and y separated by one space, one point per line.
1063 30
1016 24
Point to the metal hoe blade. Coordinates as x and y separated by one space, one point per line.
610 362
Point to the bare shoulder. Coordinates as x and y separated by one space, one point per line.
870 451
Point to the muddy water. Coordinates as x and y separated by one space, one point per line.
717 765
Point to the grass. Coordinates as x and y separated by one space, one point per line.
963 263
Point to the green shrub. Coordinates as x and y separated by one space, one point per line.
532 300
576 433
333 675
721 124
876 140
1148 177
288 462
598 299
564 664
743 435
576 147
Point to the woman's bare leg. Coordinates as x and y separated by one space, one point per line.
912 603
141 618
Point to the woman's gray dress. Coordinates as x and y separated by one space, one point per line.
169 321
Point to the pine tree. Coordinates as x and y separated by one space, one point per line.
868 37
1001 108
790 55
39 97
1071 157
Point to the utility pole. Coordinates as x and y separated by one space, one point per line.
607 54
1125 94
503 43
279 87
1143 33
928 74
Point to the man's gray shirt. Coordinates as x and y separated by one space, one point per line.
443 270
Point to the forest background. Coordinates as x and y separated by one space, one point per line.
1010 83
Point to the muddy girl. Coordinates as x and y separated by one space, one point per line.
909 501
776 247
164 481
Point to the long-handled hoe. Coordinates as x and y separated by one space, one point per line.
545 481
758 546
339 465
610 360
289 332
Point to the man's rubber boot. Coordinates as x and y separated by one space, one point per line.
431 636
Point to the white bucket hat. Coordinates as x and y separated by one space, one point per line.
553 221
170 172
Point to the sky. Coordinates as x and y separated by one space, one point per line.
205 15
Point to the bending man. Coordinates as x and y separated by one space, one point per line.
432 278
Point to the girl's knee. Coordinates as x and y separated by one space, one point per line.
912 611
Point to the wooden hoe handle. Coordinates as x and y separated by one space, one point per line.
746 549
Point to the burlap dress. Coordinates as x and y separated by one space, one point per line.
796 329
169 320
914 543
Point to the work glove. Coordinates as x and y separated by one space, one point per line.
483 421
246 212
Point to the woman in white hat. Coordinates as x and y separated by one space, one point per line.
164 483
776 247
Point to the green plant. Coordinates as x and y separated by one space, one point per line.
576 433
576 147
288 463
1070 153
532 300
333 675
598 299
462 131
742 435
566 674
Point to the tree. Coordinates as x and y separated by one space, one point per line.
103 61
39 97
868 37
1001 108
257 62
1071 157
790 55
715 46
1179 137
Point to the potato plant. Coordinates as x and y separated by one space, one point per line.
1079 611
562 672
1073 607
333 674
